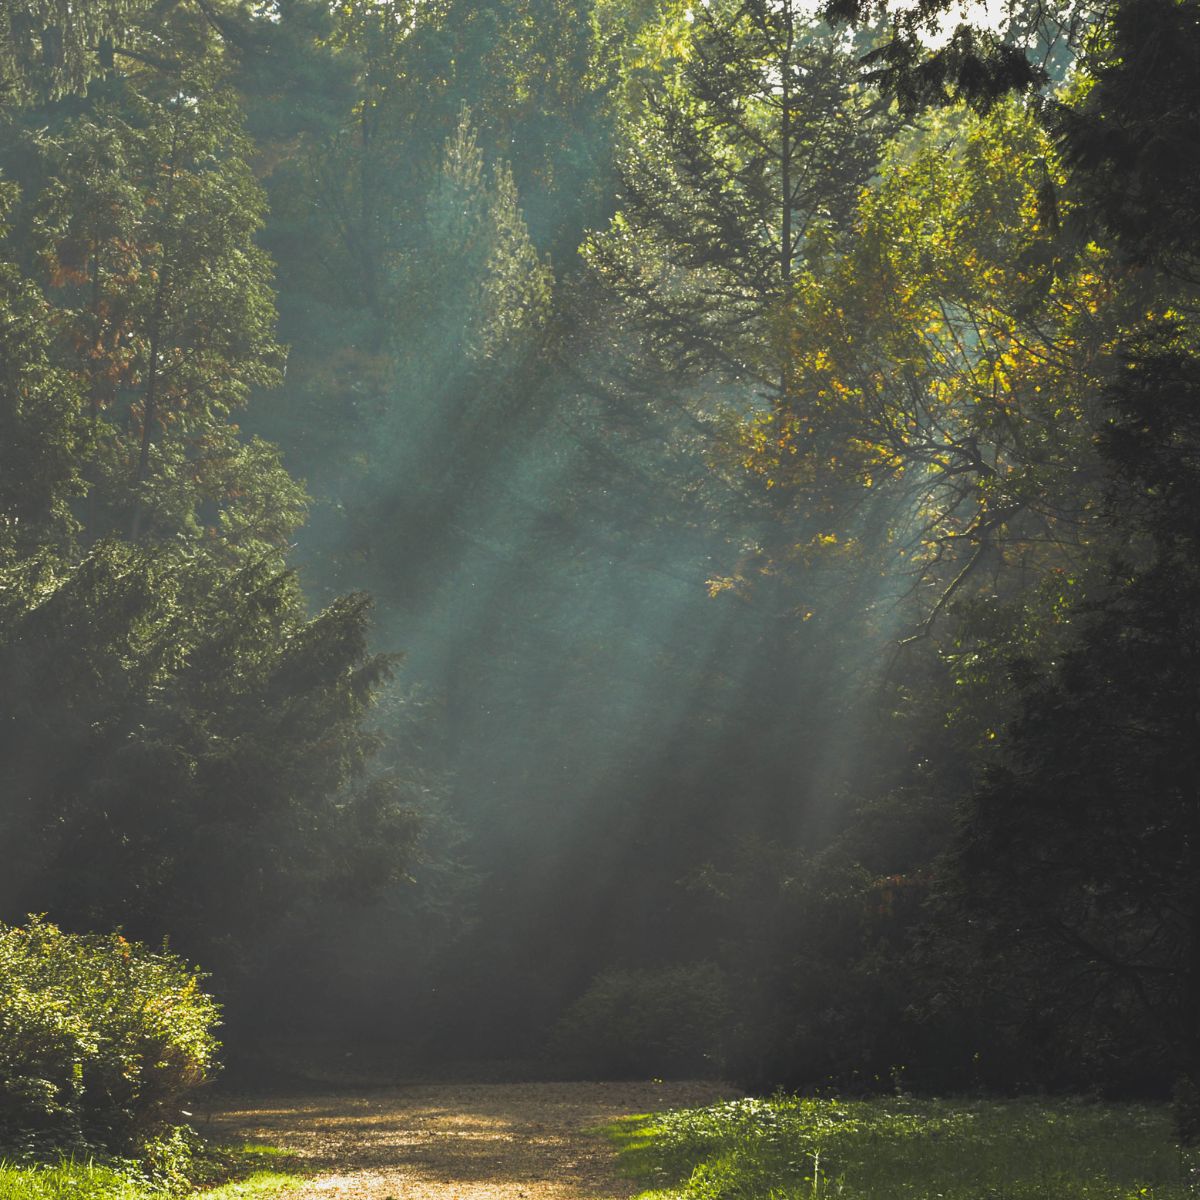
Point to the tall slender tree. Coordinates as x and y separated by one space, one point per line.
742 163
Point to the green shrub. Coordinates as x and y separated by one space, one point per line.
898 1148
666 1021
100 1039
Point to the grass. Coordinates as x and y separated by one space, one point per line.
248 1171
901 1149
67 1181
260 1183
228 1173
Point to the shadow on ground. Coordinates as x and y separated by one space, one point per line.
456 1141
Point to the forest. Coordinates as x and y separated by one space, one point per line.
599 540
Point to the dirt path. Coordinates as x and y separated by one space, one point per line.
524 1141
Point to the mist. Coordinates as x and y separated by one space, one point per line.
610 539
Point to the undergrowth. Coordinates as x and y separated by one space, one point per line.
902 1149
212 1172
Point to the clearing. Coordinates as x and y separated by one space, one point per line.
459 1141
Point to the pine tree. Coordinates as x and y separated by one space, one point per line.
146 233
743 163
188 751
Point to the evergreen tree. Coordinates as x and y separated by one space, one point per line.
146 232
1132 137
1074 876
42 432
743 164
188 751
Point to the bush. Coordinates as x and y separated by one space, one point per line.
100 1039
665 1021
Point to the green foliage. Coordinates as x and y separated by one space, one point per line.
789 1148
42 435
232 729
51 47
499 287
973 66
100 1039
667 1021
146 234
821 994
1088 899
1131 137
69 1181
944 378
187 744
938 53
55 49
217 1173
741 163
823 379
181 1162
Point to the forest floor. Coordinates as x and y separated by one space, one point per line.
456 1141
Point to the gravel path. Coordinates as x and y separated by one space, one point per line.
524 1141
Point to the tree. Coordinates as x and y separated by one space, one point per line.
42 432
57 47
146 232
943 372
742 164
1074 876
188 750
932 56
1131 135
426 398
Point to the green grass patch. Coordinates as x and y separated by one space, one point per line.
68 1181
901 1149
246 1171
217 1173
261 1183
